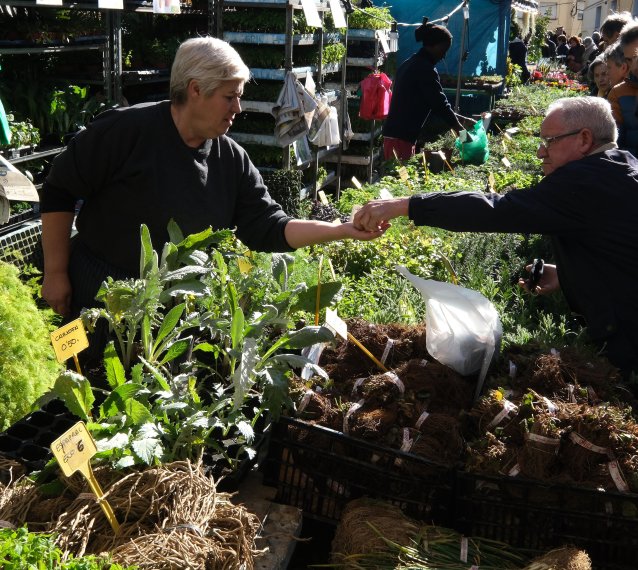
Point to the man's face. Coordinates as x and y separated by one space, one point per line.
559 151
631 57
616 73
609 38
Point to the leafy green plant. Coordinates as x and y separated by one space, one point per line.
27 363
24 550
370 18
197 357
71 109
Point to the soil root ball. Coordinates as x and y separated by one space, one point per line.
439 440
565 558
354 534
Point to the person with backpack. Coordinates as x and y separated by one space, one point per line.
417 92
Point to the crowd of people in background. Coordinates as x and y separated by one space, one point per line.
607 61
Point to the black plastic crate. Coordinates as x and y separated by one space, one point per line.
23 245
319 470
535 517
29 439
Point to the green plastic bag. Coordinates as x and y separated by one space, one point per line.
475 149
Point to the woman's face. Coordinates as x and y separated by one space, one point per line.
601 79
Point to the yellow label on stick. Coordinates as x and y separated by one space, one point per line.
403 173
356 182
244 265
74 448
69 340
322 197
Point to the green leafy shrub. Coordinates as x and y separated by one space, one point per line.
27 361
24 550
370 19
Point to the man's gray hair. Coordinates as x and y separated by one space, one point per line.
210 61
593 113
629 34
615 54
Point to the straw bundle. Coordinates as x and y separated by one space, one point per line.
565 558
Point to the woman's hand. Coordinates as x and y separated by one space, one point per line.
548 282
56 291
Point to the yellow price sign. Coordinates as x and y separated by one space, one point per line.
403 173
74 450
244 265
69 340
322 197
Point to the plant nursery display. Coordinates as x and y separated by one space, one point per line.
313 370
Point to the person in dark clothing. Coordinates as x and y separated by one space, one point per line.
518 56
548 49
417 92
155 162
592 225
562 49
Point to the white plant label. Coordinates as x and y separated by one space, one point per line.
336 323
338 16
311 13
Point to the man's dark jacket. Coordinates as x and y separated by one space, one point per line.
589 209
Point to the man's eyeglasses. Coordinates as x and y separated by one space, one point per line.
546 141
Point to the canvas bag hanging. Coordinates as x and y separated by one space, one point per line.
293 111
375 97
462 328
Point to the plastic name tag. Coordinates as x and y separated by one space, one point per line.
111 4
322 197
49 2
506 162
69 340
74 448
336 323
385 194
356 183
14 184
244 265
338 16
310 12
385 46
403 173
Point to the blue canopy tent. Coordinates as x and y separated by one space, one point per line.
485 38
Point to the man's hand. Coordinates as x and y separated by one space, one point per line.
548 282
375 215
56 291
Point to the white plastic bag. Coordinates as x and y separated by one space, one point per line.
463 329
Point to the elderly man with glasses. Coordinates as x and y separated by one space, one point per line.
587 203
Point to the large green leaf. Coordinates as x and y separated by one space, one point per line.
308 336
176 349
137 413
185 272
168 324
115 374
175 234
237 329
75 390
116 402
147 449
146 261
307 300
193 287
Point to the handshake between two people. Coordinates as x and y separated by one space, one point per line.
375 216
